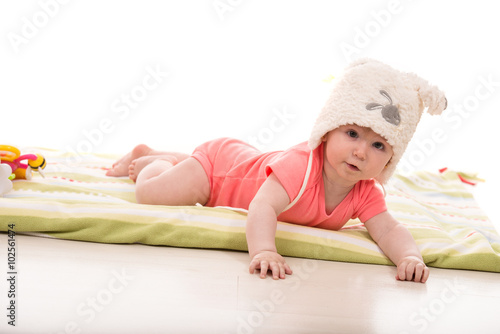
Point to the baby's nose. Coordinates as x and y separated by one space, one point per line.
360 151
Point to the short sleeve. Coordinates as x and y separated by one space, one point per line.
290 168
370 200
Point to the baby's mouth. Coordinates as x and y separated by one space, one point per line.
352 167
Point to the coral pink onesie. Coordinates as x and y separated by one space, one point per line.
236 171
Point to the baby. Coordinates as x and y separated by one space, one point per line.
355 145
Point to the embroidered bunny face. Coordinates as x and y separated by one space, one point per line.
390 112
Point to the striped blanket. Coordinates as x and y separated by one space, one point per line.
77 201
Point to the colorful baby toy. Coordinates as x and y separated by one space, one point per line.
11 166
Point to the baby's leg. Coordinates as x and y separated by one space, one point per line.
160 182
121 167
138 165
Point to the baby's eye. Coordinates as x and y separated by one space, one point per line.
352 134
378 145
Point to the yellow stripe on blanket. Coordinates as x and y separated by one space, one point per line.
78 202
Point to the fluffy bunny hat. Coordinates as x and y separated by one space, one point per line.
372 94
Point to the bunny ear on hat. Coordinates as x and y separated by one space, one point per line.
432 98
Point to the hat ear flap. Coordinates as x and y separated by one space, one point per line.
431 96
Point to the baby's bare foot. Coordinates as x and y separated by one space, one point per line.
121 167
138 164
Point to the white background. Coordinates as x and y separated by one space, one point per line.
228 67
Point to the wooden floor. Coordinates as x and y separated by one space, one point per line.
80 287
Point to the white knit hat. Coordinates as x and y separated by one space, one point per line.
372 94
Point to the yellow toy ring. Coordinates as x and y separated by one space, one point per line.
9 153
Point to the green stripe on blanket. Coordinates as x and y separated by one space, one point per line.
78 202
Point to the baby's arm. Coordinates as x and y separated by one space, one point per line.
398 244
268 203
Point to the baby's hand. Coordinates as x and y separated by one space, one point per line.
268 260
411 268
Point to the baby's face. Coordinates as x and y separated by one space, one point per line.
354 153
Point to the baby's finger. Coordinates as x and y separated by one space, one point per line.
276 270
264 266
283 270
419 271
401 274
410 270
425 275
288 270
253 266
